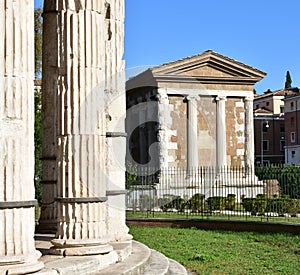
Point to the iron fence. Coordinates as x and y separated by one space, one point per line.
261 193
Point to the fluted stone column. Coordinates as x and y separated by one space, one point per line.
221 131
192 133
115 113
80 30
17 215
249 133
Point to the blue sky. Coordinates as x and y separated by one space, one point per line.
264 34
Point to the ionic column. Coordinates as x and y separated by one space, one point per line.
192 133
249 132
221 131
17 203
80 32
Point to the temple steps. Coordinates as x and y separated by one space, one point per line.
133 258
144 261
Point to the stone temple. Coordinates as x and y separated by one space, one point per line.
84 143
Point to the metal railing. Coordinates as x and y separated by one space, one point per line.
260 193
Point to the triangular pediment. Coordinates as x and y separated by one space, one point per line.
205 70
208 64
208 68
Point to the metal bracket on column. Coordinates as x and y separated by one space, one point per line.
116 134
115 192
17 204
81 200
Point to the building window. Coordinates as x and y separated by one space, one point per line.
292 121
268 103
257 106
293 154
282 129
282 144
293 137
281 109
292 106
265 145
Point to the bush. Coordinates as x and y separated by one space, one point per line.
248 204
196 203
278 205
216 203
230 202
177 202
255 205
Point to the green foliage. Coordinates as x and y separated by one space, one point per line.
287 175
176 203
255 205
38 143
216 203
230 202
38 30
268 91
196 203
131 174
221 203
288 80
38 26
261 204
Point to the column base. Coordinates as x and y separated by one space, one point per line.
17 265
80 248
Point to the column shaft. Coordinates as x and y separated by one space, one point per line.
221 132
115 109
249 133
17 211
83 72
192 133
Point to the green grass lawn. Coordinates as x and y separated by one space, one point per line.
224 252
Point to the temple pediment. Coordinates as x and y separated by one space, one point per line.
208 68
210 64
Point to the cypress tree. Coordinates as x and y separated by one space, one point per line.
288 80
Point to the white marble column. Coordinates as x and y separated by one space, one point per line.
84 73
192 133
221 131
115 107
249 133
17 211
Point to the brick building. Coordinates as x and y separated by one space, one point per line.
269 127
292 120
196 111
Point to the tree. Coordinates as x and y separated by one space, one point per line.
38 143
288 80
38 30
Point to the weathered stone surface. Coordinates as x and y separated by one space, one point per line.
84 99
17 251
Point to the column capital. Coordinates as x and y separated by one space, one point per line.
192 97
221 97
248 98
